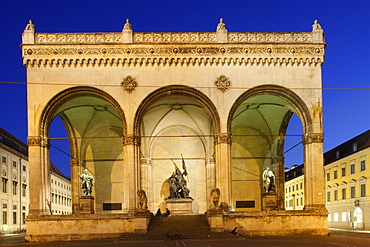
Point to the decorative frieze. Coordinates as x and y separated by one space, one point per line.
157 38
144 50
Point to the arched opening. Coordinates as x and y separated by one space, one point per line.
94 126
358 222
258 124
174 123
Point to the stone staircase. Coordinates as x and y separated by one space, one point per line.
190 227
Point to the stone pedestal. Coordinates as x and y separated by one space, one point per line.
269 201
180 206
87 205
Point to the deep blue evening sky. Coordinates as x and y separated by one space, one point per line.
346 72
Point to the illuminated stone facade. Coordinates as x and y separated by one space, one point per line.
131 102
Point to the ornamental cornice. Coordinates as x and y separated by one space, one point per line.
213 55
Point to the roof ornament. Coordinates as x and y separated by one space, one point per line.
127 26
317 33
316 26
221 26
30 26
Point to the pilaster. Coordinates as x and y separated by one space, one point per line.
132 173
223 169
314 172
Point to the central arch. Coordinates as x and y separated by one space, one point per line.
171 122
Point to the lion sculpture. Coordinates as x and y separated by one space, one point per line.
215 199
142 200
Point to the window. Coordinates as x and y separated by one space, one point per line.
363 190
353 169
24 168
4 184
301 185
328 176
328 196
3 159
23 218
344 216
14 218
335 195
336 216
337 154
24 189
354 147
5 205
15 185
343 171
5 217
296 186
362 165
353 192
344 193
14 163
335 174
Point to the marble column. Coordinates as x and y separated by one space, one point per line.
146 176
211 177
76 187
279 180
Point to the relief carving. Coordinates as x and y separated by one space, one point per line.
223 83
129 84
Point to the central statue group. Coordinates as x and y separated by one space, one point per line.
178 183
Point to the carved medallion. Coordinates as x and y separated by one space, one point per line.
223 83
129 84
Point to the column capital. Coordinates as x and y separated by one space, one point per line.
313 138
132 140
34 140
223 138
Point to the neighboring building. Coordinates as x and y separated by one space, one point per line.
61 198
294 189
346 184
346 174
14 191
